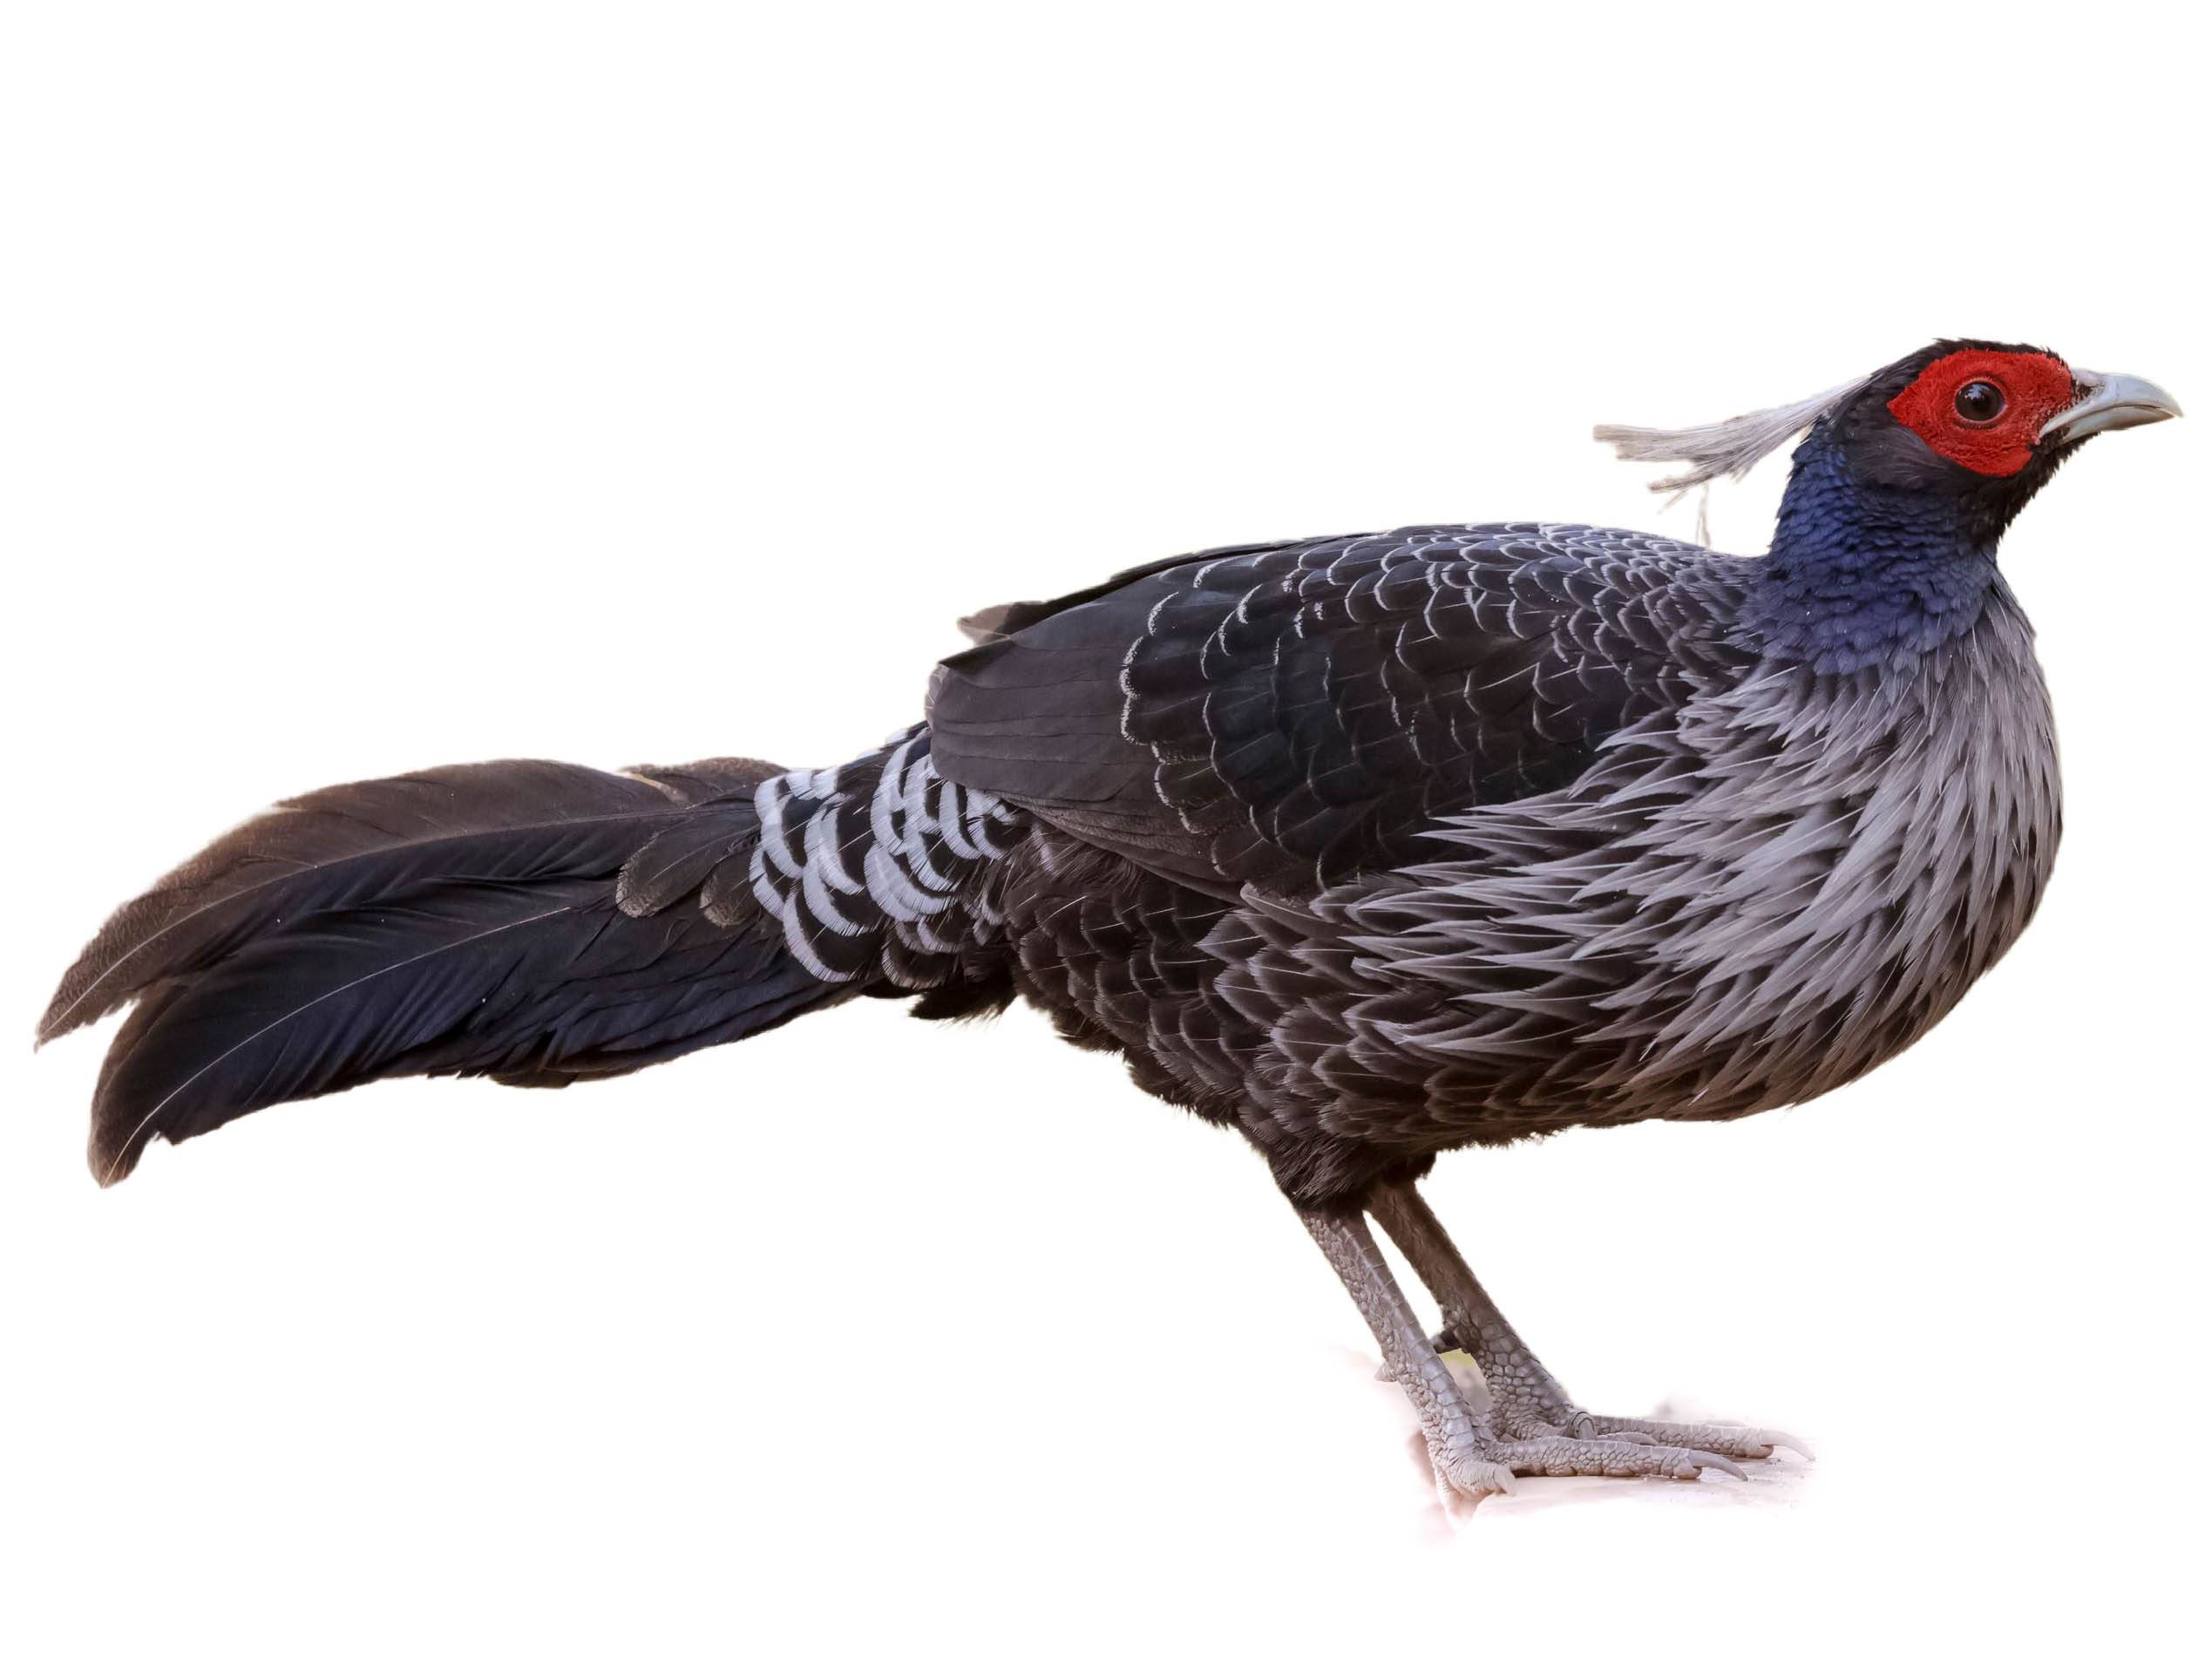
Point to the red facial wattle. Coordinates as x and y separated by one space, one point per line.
2033 387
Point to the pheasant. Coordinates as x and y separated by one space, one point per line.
1366 847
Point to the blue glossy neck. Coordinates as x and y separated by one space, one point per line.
1861 576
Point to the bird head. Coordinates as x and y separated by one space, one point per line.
1969 422
1983 423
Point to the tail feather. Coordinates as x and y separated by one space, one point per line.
318 1007
532 923
357 844
680 857
458 921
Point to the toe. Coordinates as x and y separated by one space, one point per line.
1729 1440
1559 1455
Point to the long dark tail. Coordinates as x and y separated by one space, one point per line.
535 922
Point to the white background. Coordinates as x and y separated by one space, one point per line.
400 385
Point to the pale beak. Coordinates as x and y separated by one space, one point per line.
2109 402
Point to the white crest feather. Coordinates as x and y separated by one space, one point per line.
1724 449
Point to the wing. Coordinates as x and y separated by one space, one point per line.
1295 714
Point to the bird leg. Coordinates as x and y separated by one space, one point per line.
1526 1402
1447 1422
1470 1457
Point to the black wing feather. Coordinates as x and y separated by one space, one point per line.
1293 714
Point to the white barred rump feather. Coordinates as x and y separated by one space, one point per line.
862 863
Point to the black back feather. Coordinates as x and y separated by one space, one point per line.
1295 714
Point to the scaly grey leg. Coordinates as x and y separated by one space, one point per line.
1525 1398
1468 1456
1526 1402
1447 1422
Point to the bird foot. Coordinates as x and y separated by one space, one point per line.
1711 1445
1529 1427
1495 1462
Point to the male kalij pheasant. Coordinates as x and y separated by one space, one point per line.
1370 846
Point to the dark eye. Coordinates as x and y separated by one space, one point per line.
1979 402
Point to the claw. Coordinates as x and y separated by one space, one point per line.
1480 1481
1715 1460
1782 1442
